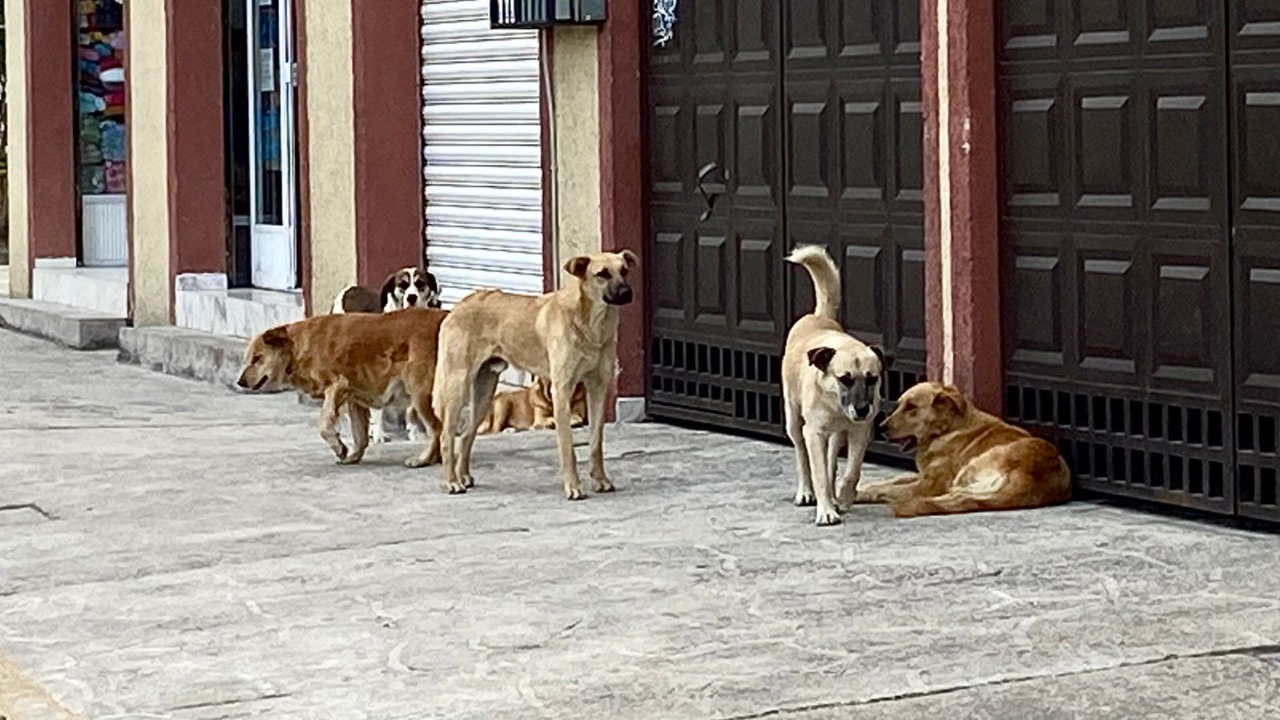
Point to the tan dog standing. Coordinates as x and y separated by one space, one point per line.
359 360
967 459
530 408
568 337
831 385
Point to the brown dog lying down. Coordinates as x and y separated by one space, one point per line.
530 409
967 460
359 360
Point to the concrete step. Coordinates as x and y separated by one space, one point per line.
73 327
192 354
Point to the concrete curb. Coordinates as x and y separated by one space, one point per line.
185 353
73 327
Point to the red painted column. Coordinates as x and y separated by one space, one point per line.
621 58
387 67
51 133
962 197
196 182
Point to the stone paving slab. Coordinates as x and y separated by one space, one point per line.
181 551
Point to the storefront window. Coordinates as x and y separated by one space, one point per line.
100 96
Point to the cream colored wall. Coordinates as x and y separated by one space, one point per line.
576 85
149 161
331 127
16 122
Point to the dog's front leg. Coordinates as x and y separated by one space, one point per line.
333 399
847 492
561 397
889 490
359 417
804 481
377 432
824 484
595 411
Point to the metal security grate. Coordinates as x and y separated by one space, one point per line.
1176 453
732 388
1257 463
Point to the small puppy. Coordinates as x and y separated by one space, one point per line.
967 460
831 386
568 337
404 288
359 361
530 409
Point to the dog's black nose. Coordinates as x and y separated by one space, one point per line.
240 381
412 300
621 295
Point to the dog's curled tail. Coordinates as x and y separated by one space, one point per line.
826 278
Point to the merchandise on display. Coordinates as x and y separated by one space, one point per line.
101 97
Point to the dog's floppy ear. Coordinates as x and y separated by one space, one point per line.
388 287
949 396
886 357
820 357
577 266
630 258
276 337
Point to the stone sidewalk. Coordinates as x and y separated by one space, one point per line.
171 550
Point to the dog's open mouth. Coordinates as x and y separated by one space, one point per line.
906 444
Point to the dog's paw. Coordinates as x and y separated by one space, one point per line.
416 462
455 487
377 437
340 451
574 493
603 484
468 481
827 516
805 499
352 459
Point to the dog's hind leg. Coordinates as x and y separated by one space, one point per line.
595 411
482 389
561 398
421 405
804 482
413 423
449 398
334 397
359 417
847 491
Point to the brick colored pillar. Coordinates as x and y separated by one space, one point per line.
387 107
962 197
50 131
622 176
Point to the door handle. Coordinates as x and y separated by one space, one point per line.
709 198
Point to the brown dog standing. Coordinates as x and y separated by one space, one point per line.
568 337
359 360
967 459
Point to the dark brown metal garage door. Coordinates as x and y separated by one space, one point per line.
771 124
1141 242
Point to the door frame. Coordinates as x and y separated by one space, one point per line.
281 238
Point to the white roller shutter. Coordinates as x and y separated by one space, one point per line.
482 151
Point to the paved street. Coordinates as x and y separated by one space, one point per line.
171 550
